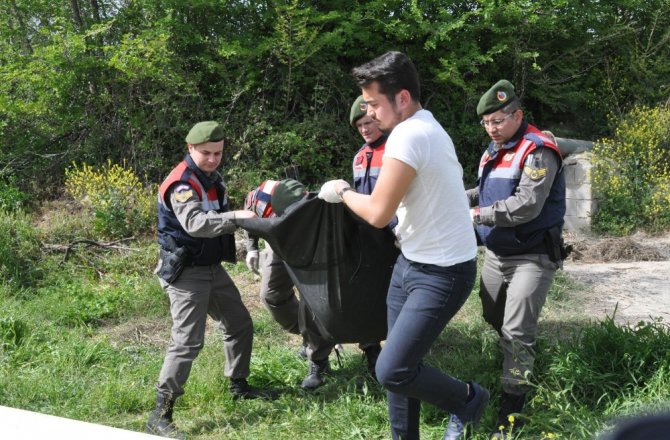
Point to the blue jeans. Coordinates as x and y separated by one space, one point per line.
422 299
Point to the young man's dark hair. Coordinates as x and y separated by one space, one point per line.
393 71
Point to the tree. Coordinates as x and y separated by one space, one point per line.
92 80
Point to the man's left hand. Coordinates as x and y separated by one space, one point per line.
252 261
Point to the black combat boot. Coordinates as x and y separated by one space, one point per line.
371 354
302 352
160 420
240 389
511 405
315 376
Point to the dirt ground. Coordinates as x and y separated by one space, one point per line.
628 278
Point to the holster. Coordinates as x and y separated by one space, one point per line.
172 260
556 247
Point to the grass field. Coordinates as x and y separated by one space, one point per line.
85 340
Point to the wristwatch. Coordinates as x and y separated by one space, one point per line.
343 190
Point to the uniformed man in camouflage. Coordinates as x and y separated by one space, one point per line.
195 234
271 199
518 208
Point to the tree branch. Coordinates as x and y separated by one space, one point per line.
88 243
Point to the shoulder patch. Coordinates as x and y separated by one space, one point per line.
535 173
182 193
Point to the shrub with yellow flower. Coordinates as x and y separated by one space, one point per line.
120 205
631 173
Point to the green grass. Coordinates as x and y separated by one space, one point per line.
86 341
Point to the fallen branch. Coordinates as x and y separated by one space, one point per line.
88 243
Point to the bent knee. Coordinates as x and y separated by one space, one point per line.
278 297
391 377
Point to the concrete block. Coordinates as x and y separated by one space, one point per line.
580 192
581 173
577 169
576 223
18 424
580 207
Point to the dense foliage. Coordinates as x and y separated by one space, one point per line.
631 173
91 81
19 249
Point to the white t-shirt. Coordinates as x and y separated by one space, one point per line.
434 224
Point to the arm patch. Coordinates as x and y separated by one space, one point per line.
182 193
535 173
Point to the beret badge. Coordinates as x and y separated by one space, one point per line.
501 95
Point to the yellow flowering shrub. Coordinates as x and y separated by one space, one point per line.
121 206
631 173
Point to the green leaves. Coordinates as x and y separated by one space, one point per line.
125 80
632 173
19 249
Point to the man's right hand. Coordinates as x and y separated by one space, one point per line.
474 215
252 261
329 190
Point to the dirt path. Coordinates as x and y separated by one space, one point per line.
616 281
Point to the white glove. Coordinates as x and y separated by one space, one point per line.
474 215
252 261
329 190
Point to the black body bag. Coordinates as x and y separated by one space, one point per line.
340 264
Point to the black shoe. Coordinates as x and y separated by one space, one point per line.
371 354
315 376
240 389
160 420
508 416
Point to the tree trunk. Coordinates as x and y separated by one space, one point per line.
95 7
76 14
23 30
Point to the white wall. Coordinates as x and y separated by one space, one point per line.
580 200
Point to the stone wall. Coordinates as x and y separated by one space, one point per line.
580 200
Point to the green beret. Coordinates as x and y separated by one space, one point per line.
495 98
356 112
206 131
286 193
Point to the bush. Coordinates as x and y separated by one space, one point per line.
11 197
19 249
631 173
121 206
308 151
603 371
611 360
62 222
12 333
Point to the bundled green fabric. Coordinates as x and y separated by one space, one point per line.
287 192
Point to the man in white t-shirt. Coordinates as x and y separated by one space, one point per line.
421 182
